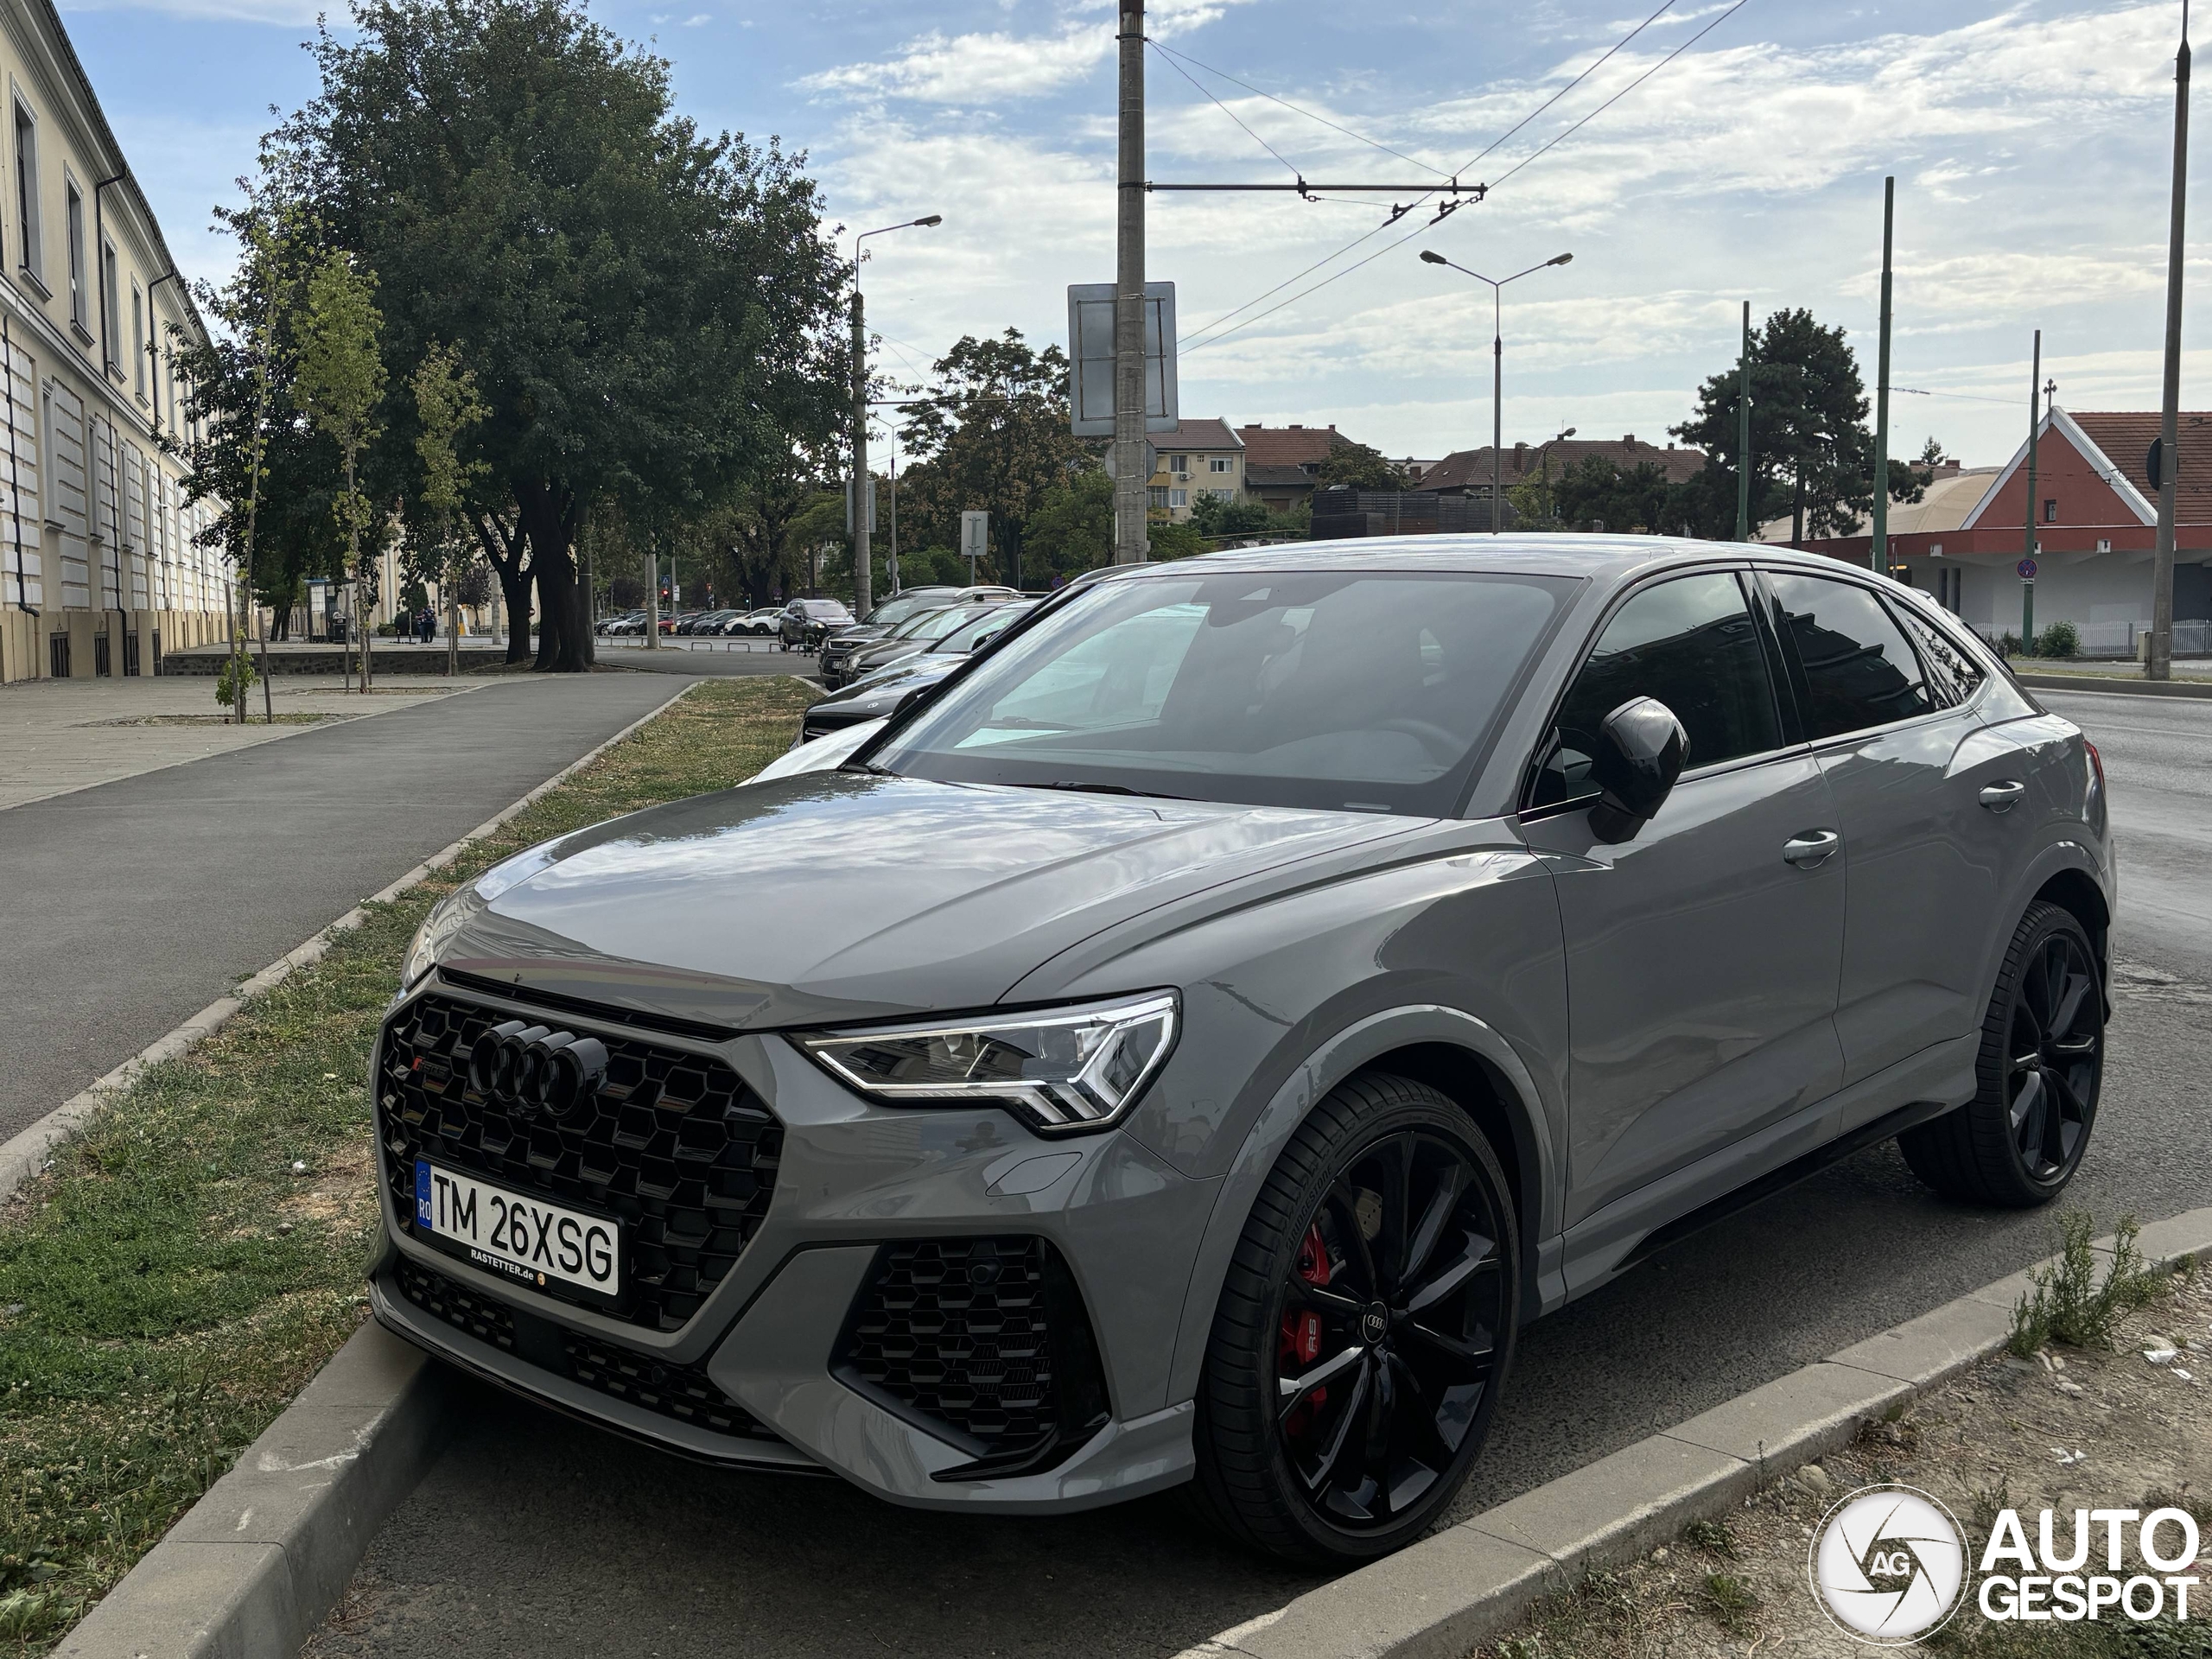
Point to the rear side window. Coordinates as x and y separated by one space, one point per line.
1858 670
1952 675
1691 644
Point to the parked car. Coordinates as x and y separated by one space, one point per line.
1188 1046
915 635
804 623
881 692
705 621
756 623
900 607
628 622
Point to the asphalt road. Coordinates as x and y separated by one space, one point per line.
128 908
536 1536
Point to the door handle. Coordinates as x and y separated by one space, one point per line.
1812 849
2000 797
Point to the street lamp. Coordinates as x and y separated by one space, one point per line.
1544 464
1498 371
862 552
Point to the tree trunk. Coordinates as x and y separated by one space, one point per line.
548 522
505 554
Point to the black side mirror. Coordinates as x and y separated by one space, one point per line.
909 701
1641 748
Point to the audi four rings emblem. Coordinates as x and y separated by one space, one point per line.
537 1068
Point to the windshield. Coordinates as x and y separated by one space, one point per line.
995 621
898 609
1358 691
937 623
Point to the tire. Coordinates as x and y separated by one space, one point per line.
1417 1368
2019 1141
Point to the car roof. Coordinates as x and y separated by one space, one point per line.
1608 559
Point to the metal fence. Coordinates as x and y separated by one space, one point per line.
2111 641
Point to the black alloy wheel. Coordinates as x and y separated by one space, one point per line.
1364 1331
2041 1069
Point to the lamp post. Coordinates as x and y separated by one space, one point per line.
1496 371
1544 466
862 553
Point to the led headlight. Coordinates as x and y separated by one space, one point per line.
1061 1070
447 916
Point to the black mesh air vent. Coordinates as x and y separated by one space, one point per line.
675 1145
985 1342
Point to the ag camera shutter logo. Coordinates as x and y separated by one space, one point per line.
1887 1565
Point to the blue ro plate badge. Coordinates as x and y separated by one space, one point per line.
526 1239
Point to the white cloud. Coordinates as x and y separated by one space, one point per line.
287 14
980 68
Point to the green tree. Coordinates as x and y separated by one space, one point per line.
446 408
1356 467
1214 516
1595 492
1811 456
1072 529
649 314
341 383
990 434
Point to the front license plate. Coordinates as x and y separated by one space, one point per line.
527 1239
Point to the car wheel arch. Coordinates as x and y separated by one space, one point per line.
1463 1057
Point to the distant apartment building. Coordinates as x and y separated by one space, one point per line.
100 571
1197 459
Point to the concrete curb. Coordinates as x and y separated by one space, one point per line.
27 1151
254 1566
2111 685
1471 1582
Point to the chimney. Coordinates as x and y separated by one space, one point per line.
1295 427
1628 437
1520 457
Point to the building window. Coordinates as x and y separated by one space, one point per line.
1221 463
1178 463
111 305
2050 511
27 189
138 339
80 293
1179 498
1157 496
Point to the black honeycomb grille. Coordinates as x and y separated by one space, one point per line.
458 1306
685 1393
675 1145
985 1337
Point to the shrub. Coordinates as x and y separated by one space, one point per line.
2067 1304
235 678
2059 639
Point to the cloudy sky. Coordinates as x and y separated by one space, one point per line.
2031 146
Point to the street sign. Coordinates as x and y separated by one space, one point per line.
1091 359
2027 569
871 505
974 539
2154 464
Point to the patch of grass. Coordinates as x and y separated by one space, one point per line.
1729 1601
172 1283
2068 1303
1712 1537
1597 1618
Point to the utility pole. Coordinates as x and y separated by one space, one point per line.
862 552
894 525
652 601
2028 552
2160 666
1132 544
1496 409
1879 554
1744 431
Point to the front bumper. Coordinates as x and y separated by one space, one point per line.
778 1366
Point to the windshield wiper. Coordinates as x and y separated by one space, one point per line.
1102 789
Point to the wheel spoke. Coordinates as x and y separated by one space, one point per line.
1396 1156
1352 1416
1345 1200
1474 1355
2054 1118
1291 1391
1322 1300
2027 1106
2069 1007
1441 1203
1477 1254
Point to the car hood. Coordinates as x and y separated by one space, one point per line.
831 896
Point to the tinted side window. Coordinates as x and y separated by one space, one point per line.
1858 670
1690 644
1952 675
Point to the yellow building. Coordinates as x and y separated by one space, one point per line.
99 571
1199 458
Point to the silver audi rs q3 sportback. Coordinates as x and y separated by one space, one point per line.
1187 1042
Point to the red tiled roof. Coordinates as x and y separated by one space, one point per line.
1468 467
2125 436
1201 432
1289 446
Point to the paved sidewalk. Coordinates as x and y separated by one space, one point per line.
131 906
58 736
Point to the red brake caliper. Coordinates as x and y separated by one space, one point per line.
1298 1344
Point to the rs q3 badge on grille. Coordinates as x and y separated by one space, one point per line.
534 1069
